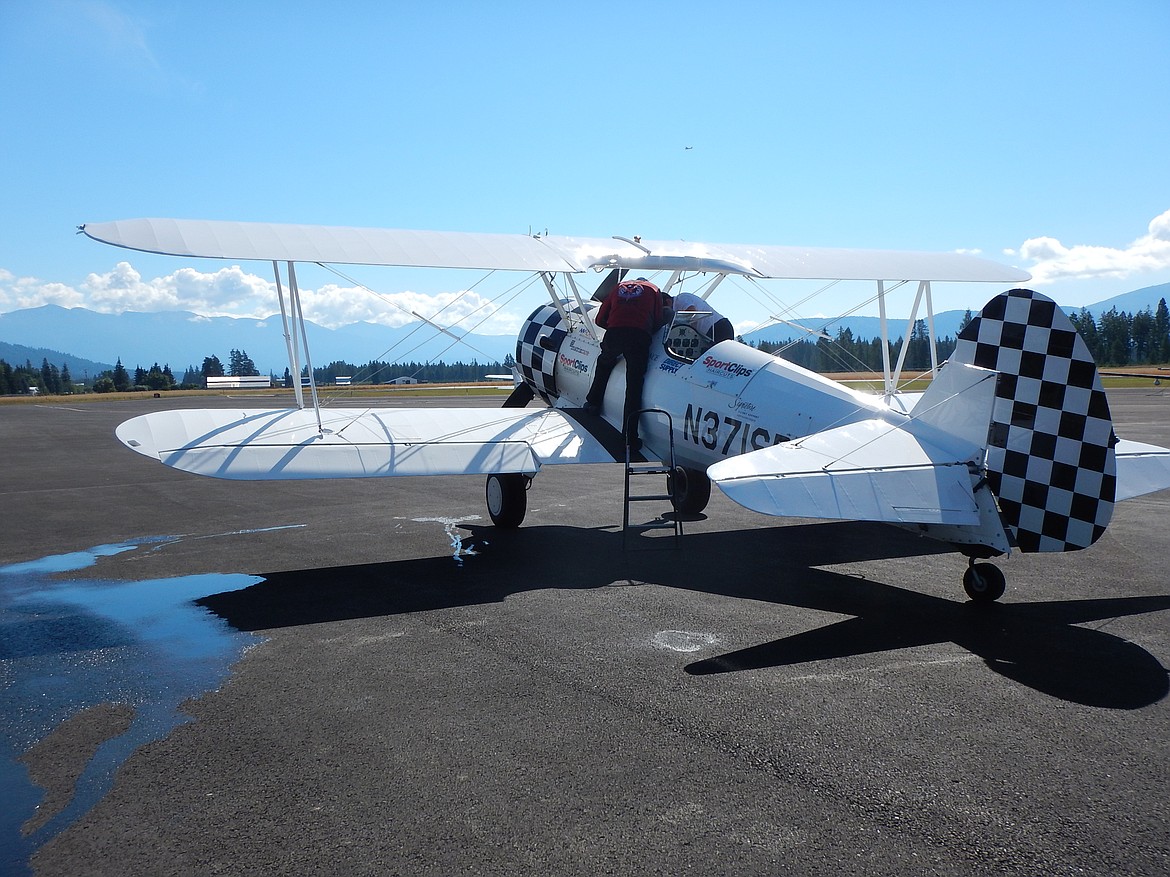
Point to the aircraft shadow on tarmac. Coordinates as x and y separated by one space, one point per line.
1036 644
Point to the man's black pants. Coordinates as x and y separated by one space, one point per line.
634 345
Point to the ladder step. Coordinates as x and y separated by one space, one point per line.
643 466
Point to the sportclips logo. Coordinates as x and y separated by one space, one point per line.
729 369
574 364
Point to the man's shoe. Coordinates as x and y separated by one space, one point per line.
592 409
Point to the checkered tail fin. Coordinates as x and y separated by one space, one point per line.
1050 455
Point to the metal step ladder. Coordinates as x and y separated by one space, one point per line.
660 468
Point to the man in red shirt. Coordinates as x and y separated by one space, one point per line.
629 315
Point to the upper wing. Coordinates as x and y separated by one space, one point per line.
520 252
359 443
267 241
825 263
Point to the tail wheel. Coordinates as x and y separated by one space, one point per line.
507 499
690 490
984 582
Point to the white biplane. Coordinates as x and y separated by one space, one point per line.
1011 445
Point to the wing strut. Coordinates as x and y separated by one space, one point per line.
890 378
581 305
294 294
925 284
714 284
290 340
887 379
923 289
296 314
554 296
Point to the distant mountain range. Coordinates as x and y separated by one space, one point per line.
181 339
79 368
86 340
1133 302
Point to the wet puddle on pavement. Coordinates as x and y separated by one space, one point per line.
91 669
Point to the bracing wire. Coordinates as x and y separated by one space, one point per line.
490 307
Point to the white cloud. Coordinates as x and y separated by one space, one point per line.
1054 261
234 292
332 305
17 293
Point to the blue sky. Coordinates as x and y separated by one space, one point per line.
1035 133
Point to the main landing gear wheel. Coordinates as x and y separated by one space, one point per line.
984 582
507 499
690 490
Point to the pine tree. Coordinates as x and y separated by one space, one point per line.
1160 349
121 377
1086 327
1114 329
240 364
212 367
156 379
1142 333
50 378
966 321
918 349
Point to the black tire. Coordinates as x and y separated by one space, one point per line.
984 582
507 499
690 490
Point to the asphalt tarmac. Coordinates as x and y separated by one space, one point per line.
364 677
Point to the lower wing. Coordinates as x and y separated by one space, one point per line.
267 444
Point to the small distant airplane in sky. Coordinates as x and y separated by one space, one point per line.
1010 447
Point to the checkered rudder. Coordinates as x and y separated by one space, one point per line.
1050 457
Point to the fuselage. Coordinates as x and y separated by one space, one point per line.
731 399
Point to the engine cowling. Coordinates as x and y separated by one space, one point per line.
538 347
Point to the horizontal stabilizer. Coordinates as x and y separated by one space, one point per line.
867 471
1141 469
285 444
